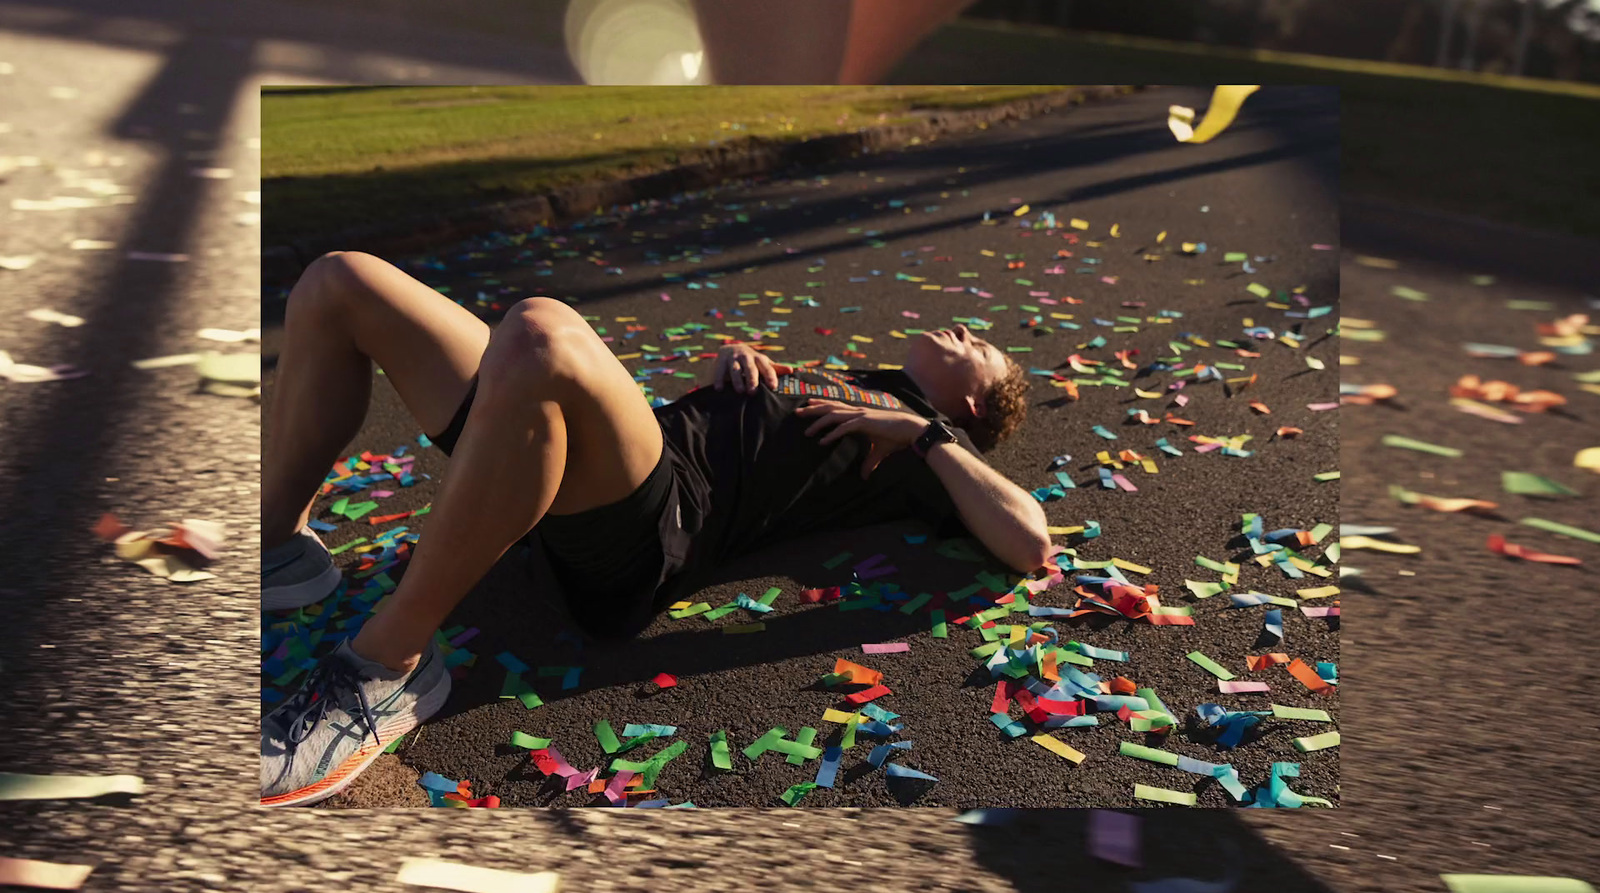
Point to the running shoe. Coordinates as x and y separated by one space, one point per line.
297 573
348 710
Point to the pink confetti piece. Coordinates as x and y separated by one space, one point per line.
1207 447
463 638
982 294
1114 837
1048 301
1038 294
1318 246
1237 686
1133 303
1181 399
614 788
1109 280
581 779
952 288
1124 483
665 296
886 648
382 494
1321 407
910 314
1328 611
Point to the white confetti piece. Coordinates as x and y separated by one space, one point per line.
182 359
45 314
43 875
472 879
63 92
59 203
213 173
16 786
230 336
253 197
91 245
23 373
17 261
248 218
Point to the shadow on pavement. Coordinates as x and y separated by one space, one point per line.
1041 846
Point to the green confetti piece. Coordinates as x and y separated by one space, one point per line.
1177 798
764 743
1524 484
1320 531
1529 305
1410 294
517 687
912 606
1234 257
1259 290
716 614
1213 565
800 749
635 741
848 739
1281 712
523 739
338 507
690 611
1165 758
395 744
1326 476
350 545
1576 533
836 560
1406 443
941 630
607 737
1512 883
770 596
1205 590
1212 666
796 793
1316 742
719 750
1019 350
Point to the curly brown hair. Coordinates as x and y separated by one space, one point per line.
1006 405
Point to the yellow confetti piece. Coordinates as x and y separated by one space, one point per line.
627 319
1148 395
773 294
782 310
1149 466
860 338
1058 748
1377 263
1589 458
1018 631
1130 566
897 333
1020 211
1367 542
1319 592
679 606
832 715
1116 230
1348 360
1060 316
1225 102
890 366
1161 237
1079 224
986 252
1062 531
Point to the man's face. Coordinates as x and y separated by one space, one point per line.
954 366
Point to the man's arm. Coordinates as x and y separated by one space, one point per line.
1004 517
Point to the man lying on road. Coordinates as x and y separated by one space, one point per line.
548 432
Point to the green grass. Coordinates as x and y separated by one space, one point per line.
340 157
1515 150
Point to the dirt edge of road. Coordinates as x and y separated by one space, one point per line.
700 169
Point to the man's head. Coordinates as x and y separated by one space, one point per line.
971 381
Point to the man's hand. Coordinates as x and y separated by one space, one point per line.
744 367
889 430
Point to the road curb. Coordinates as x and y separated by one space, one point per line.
702 168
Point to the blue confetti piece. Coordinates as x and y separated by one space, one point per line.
321 526
1101 430
882 751
898 771
423 441
1274 624
1328 671
1070 722
633 730
436 782
652 804
1105 478
507 660
830 766
873 711
1007 725
570 681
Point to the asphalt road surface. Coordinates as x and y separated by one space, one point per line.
152 679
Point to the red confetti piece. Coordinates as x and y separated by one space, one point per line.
665 680
1498 545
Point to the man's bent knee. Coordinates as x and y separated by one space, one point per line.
538 341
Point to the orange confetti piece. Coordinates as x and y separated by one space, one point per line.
1260 407
1177 421
1288 432
1370 394
1536 358
1447 504
859 675
1259 662
1499 546
1122 685
1505 392
109 528
1308 677
1247 353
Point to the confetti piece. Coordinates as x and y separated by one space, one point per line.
898 771
886 648
1406 443
1279 711
16 786
1308 677
1408 293
1316 742
524 740
1524 484
1499 546
443 875
43 875
665 680
1225 102
1237 687
1210 665
1588 458
797 792
1510 883
1058 748
1576 533
1163 795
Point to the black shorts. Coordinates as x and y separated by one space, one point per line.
614 562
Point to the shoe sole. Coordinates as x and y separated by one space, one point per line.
298 595
343 774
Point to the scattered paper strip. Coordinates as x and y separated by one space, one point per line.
472 879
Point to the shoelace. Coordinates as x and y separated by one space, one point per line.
331 675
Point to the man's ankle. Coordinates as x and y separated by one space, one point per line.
403 664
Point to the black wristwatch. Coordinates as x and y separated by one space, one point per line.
933 435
